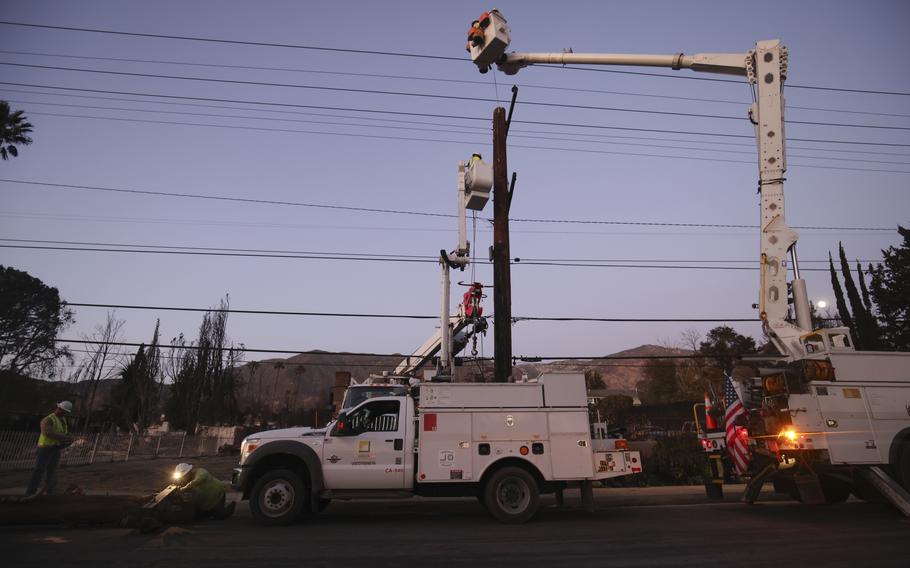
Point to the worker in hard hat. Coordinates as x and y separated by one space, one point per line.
53 438
207 490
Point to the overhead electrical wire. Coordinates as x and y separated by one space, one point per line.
411 212
389 355
419 122
516 262
437 96
395 255
716 80
430 79
460 142
513 134
437 115
394 53
754 319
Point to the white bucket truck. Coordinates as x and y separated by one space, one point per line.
503 443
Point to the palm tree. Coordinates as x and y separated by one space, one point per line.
13 130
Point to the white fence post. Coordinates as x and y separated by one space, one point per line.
91 460
158 447
129 447
182 442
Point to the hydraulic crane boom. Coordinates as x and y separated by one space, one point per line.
765 67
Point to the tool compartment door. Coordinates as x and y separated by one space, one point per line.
445 447
570 445
848 425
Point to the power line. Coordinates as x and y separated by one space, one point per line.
237 42
402 316
398 54
238 347
436 96
421 213
390 255
432 79
374 259
404 121
436 115
398 355
715 80
461 142
514 134
256 312
233 199
288 363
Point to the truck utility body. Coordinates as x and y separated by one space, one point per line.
503 443
861 415
818 426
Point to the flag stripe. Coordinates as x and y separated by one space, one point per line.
736 444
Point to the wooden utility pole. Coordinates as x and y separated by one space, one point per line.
502 275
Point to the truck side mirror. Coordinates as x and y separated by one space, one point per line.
342 427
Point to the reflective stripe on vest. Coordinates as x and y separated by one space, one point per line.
59 428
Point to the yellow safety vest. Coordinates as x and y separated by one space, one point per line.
59 427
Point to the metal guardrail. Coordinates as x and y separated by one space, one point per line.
17 449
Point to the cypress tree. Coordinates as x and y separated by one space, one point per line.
841 303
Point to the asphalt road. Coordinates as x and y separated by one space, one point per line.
648 528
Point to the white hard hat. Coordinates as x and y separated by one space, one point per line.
182 469
65 406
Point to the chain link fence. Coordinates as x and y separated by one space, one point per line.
17 449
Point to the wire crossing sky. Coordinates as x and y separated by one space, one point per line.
187 151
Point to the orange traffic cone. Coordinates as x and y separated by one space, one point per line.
710 422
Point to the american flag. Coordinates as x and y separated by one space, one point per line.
736 442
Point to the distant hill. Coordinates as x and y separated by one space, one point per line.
618 374
304 380
312 374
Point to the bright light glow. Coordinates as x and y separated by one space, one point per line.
822 304
176 475
789 434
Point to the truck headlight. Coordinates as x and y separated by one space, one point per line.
247 447
789 434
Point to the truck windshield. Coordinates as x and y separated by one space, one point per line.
356 395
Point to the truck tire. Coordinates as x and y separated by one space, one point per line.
511 495
278 497
834 490
902 467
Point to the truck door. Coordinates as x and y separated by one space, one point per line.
366 449
848 425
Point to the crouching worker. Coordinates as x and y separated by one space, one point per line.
207 491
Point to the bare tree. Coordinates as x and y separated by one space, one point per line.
252 395
101 360
204 374
278 366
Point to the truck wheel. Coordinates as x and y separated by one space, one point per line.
903 466
834 490
278 497
511 495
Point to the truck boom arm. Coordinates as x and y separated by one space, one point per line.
766 68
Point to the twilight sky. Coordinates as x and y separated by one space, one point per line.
344 144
